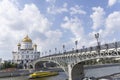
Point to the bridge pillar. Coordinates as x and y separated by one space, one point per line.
32 65
45 65
77 72
69 72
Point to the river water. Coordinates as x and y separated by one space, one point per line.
61 76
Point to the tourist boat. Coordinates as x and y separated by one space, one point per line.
40 74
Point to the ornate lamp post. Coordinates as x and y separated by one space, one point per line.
55 50
63 48
45 53
76 43
98 43
116 46
72 49
83 48
49 52
42 54
97 36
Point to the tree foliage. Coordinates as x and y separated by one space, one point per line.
7 64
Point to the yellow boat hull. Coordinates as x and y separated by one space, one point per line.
42 74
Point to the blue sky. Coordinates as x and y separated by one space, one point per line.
52 23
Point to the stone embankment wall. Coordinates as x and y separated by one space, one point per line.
14 73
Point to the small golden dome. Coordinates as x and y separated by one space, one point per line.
35 45
27 39
19 44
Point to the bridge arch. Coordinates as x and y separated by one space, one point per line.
56 62
77 71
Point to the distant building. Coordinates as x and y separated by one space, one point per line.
0 60
26 52
0 63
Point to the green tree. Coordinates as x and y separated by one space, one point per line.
8 64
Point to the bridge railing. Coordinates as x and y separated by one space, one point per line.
104 46
94 48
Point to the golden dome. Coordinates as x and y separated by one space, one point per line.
19 44
27 39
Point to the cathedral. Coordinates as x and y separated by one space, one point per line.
26 52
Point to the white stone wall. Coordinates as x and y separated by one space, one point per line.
26 45
25 55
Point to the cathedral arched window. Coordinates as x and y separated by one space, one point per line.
22 56
27 56
13 57
31 56
18 57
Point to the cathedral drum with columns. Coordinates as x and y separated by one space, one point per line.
27 52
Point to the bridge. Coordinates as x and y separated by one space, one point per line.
76 63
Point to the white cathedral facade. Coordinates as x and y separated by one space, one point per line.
26 52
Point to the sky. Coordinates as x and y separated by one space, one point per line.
54 23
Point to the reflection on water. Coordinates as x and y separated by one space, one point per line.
61 76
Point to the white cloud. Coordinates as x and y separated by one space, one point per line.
113 20
38 21
27 18
16 23
51 1
111 2
51 42
112 23
52 9
75 26
111 29
108 26
76 10
97 17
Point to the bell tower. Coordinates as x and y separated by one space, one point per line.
19 46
